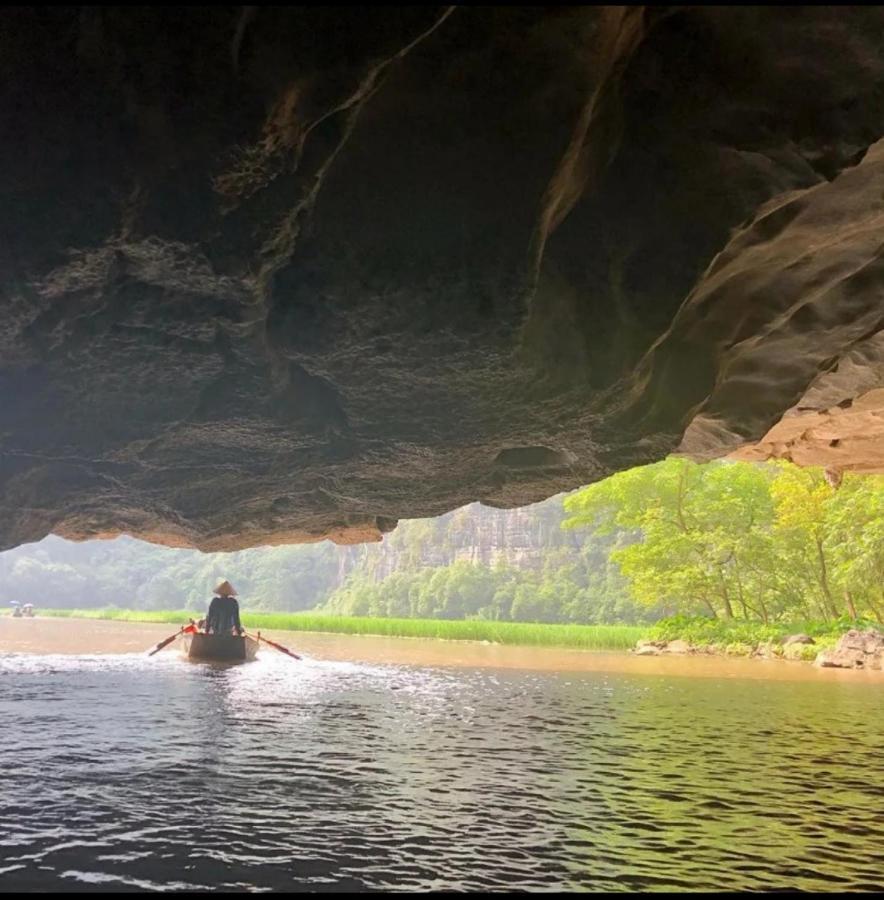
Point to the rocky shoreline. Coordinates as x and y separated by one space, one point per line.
855 649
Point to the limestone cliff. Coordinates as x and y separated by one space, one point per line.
521 538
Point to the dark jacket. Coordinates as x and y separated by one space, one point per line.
223 616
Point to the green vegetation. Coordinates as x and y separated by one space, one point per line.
138 575
766 543
566 589
702 631
172 616
587 637
739 637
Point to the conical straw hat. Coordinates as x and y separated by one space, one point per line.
225 589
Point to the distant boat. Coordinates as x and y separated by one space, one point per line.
220 647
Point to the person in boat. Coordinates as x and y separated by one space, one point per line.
223 617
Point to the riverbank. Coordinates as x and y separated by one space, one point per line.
840 643
46 636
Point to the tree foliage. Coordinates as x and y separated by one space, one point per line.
136 575
558 592
739 540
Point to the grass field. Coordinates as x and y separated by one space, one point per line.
585 637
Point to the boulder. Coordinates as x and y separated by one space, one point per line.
648 648
798 639
855 650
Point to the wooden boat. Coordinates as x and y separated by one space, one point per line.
220 647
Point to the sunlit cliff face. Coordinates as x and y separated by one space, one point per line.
275 275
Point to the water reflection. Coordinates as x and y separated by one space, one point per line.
164 774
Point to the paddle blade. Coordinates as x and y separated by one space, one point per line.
282 649
162 644
276 646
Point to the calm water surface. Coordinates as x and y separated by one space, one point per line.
122 772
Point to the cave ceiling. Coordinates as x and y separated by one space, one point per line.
284 274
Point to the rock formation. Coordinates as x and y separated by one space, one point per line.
657 648
522 538
855 650
281 274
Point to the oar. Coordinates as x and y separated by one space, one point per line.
273 644
167 641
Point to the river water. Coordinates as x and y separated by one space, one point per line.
121 772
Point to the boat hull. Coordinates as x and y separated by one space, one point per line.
220 647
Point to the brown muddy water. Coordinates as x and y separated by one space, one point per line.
386 764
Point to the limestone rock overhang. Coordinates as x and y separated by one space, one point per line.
286 274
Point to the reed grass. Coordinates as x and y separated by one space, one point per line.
585 637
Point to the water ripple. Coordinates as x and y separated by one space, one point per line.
127 773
